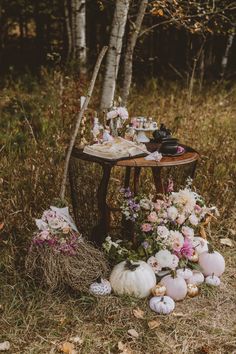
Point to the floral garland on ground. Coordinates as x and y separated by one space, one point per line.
166 230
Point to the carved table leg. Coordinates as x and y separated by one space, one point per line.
137 171
100 231
156 172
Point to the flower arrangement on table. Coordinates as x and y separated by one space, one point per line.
166 237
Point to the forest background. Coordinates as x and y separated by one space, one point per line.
181 57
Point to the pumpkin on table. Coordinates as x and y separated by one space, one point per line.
133 278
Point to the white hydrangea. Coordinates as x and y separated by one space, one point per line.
164 258
193 219
187 231
163 232
186 199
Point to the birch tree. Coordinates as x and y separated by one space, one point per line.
75 19
132 39
114 52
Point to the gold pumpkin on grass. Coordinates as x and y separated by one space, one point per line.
193 290
159 290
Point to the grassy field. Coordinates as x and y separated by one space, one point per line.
36 118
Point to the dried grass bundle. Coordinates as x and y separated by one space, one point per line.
56 270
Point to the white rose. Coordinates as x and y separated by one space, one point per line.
176 240
187 231
172 213
164 258
145 204
193 219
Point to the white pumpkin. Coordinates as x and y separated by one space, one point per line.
133 278
184 273
162 304
212 280
197 278
212 262
100 287
176 287
200 244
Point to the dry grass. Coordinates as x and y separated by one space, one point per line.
36 322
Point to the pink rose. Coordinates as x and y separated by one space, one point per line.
180 220
146 227
158 205
44 235
152 217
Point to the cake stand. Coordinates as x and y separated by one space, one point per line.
141 134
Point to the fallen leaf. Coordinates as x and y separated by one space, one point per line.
1 226
202 232
124 348
133 333
67 348
178 314
4 346
154 324
226 242
138 313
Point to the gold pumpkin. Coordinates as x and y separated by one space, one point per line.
159 290
192 290
194 257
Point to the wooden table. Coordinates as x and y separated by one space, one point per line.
101 230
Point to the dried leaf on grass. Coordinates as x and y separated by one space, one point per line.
178 314
67 348
4 346
124 348
1 226
226 241
133 333
154 324
138 313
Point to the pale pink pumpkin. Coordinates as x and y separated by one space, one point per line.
212 262
176 287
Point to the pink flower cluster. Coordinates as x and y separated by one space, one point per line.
57 233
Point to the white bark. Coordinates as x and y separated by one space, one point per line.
225 58
114 52
80 34
128 62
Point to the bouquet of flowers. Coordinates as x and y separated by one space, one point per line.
116 117
166 230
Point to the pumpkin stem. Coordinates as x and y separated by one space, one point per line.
162 298
173 273
131 266
99 279
210 248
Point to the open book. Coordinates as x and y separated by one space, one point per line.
117 149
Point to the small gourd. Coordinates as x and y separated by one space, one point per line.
212 262
197 278
162 305
100 287
212 280
133 278
159 290
176 286
192 290
184 273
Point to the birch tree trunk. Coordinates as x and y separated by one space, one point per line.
80 35
225 58
68 30
128 62
114 52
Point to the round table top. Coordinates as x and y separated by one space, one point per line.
189 156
